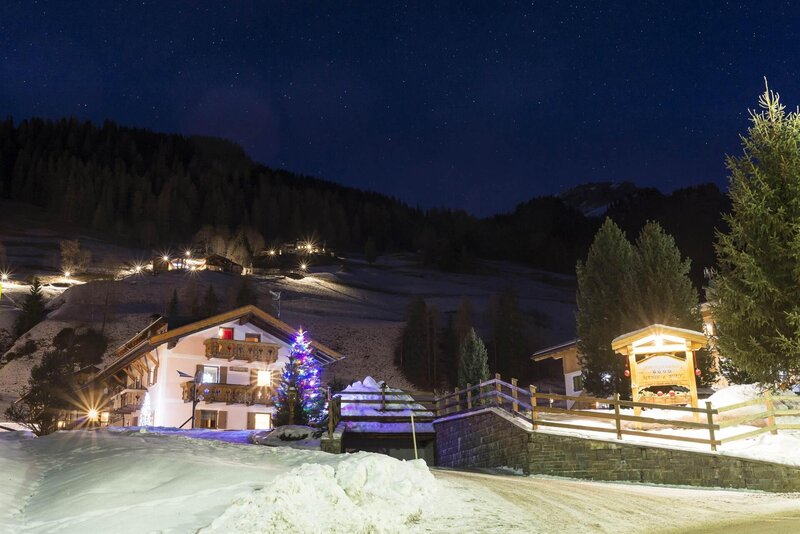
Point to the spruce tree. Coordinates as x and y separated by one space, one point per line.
299 391
370 251
414 342
473 365
32 309
247 293
603 281
754 294
173 308
210 304
510 351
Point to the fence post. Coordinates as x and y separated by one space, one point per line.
497 387
436 400
469 396
514 394
533 406
617 421
458 400
771 411
710 417
330 413
383 396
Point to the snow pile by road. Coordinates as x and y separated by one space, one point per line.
294 436
365 493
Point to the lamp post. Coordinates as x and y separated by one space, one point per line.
197 379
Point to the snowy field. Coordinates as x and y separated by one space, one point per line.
126 481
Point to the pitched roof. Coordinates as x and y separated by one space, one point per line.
696 339
249 313
549 351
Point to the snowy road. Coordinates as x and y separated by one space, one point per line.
556 505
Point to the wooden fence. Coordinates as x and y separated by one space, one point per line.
538 410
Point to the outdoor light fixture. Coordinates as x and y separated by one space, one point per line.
138 268
188 253
303 266
92 414
66 274
4 277
165 258
271 252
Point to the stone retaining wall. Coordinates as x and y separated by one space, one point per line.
489 438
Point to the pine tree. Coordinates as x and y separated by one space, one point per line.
301 376
247 293
32 309
210 302
473 365
173 308
370 251
754 295
414 342
603 281
509 344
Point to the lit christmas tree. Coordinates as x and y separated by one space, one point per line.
300 375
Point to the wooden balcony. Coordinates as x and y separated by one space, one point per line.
229 393
249 351
128 400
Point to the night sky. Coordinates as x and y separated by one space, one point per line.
474 105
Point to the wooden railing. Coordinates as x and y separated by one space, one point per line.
229 393
141 337
128 400
250 351
538 410
380 406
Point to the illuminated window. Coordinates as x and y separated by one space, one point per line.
263 421
264 378
208 419
210 374
225 333
104 417
577 383
255 338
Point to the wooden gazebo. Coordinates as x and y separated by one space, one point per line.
660 355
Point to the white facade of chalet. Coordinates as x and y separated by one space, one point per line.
238 357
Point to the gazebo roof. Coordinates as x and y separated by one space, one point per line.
659 338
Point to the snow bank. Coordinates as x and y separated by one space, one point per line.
735 395
365 493
295 436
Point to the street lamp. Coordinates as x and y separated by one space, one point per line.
196 379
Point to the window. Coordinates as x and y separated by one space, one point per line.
210 374
208 419
263 421
264 378
255 338
577 383
152 377
225 333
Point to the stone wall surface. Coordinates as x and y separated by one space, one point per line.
489 439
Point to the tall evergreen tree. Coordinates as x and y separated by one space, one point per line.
509 346
246 294
173 308
32 309
210 304
414 346
299 391
754 295
473 364
603 282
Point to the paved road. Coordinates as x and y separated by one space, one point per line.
545 504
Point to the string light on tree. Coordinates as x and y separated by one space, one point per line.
146 417
299 392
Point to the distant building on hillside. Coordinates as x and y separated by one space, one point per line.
229 363
221 264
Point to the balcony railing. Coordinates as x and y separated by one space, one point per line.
128 400
229 393
250 351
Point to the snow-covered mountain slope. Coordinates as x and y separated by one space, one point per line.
355 308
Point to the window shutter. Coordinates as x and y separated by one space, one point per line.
198 370
197 419
251 420
223 375
253 377
222 419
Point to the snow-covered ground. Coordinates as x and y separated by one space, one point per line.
128 481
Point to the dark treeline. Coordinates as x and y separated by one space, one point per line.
155 190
